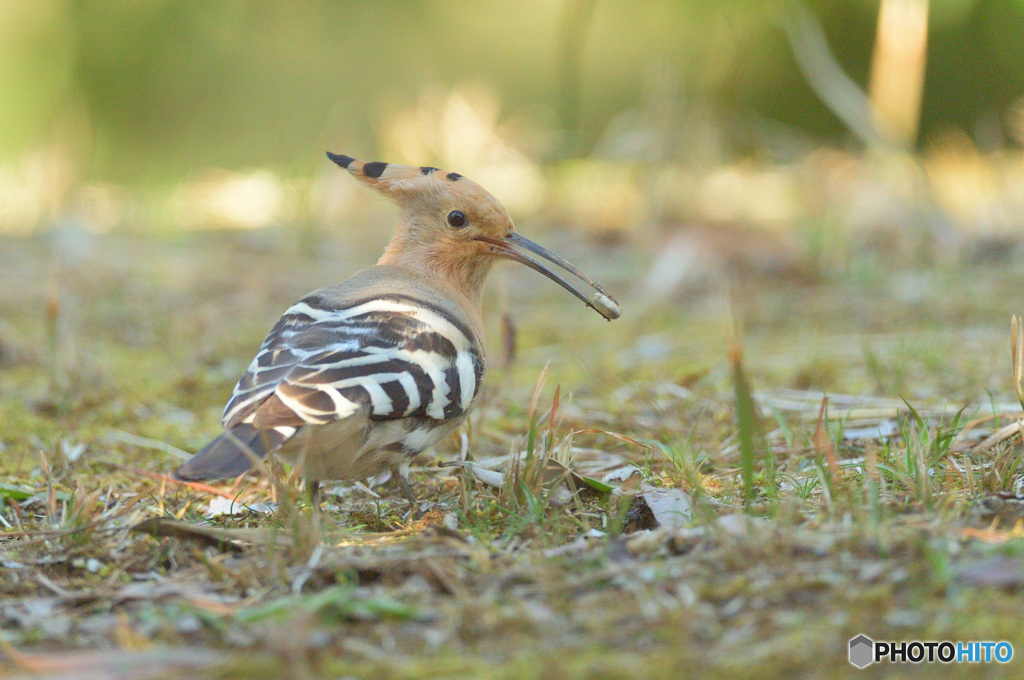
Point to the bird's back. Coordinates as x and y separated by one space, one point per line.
354 378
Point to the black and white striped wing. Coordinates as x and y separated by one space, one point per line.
389 357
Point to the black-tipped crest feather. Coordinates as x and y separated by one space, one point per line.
340 159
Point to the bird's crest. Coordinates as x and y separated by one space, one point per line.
394 180
413 187
437 205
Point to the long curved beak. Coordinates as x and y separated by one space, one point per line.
512 247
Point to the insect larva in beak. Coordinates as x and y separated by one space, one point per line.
607 307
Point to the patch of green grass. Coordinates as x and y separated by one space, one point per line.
785 560
338 604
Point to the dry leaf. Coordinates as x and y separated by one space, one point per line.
480 473
672 508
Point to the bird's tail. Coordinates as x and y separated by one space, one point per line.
225 456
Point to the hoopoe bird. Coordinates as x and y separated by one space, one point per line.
358 378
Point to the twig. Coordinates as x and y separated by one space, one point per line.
51 586
1002 434
826 77
146 443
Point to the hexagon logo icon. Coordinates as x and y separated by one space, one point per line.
862 651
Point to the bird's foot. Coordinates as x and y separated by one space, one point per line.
315 498
403 482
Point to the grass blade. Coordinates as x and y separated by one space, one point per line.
747 422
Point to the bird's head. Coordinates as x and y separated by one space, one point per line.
452 227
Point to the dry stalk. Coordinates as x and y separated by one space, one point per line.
1017 356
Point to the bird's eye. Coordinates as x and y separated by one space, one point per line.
457 219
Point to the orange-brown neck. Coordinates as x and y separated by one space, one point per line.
460 267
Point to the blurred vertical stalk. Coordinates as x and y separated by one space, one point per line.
52 339
752 443
1017 356
746 421
574 25
897 68
825 76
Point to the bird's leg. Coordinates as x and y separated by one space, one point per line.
402 482
313 486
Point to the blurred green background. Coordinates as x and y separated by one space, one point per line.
182 113
151 91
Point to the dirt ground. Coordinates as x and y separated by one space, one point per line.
658 497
